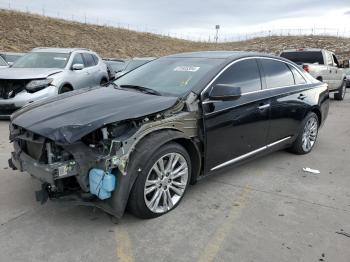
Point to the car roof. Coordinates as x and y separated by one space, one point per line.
143 58
12 53
228 56
59 50
303 50
231 55
113 60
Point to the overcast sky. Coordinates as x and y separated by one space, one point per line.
197 18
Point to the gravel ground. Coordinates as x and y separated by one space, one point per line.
266 210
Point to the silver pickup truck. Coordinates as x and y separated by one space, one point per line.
322 65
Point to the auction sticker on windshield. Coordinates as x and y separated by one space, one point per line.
186 68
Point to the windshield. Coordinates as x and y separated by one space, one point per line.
116 66
12 58
169 76
134 64
309 57
42 60
3 62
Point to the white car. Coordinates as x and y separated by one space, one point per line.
46 72
322 65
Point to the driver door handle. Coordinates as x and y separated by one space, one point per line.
301 97
262 107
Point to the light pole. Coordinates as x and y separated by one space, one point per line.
217 27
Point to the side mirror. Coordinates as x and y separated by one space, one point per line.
77 67
10 64
225 92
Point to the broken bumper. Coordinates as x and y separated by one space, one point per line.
46 173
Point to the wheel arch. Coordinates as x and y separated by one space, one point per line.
65 84
158 138
104 79
151 143
317 111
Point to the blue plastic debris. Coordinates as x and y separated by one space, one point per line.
102 183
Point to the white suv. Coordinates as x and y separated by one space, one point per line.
46 72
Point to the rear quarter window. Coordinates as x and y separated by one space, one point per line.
298 78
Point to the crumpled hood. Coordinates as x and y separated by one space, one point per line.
27 73
70 116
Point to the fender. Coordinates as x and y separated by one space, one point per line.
65 83
117 203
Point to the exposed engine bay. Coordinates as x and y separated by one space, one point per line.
68 170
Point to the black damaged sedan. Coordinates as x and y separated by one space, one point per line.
140 141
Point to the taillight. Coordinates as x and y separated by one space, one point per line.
306 68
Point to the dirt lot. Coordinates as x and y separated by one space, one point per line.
22 32
266 210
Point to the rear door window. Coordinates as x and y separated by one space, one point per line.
244 74
89 60
277 73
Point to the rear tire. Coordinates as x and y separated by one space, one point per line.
307 135
158 190
340 95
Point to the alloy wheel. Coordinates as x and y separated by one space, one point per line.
166 183
310 134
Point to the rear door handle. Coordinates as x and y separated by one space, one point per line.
301 96
262 107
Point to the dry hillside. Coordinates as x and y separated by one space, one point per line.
22 32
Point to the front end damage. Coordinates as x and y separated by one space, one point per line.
66 169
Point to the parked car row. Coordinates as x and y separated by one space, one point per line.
11 57
140 140
46 72
118 67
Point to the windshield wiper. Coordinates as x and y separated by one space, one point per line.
113 84
142 89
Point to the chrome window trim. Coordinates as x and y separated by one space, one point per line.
255 57
258 91
254 152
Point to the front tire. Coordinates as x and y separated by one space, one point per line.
162 183
103 82
65 89
307 136
340 95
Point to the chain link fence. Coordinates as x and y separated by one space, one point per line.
30 8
